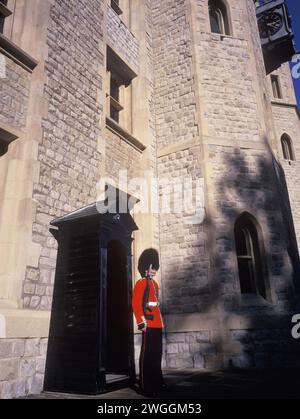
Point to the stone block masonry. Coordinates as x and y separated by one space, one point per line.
287 122
228 77
184 262
122 40
257 348
200 105
22 366
174 84
121 156
14 94
242 180
68 154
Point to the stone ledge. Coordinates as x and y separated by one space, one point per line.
229 142
17 323
12 51
124 135
180 146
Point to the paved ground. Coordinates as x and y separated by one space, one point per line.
195 384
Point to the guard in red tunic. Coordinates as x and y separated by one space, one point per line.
149 320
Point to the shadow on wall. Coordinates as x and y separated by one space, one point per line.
251 331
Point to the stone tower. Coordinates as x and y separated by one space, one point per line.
161 89
217 118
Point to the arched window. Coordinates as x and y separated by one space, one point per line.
249 249
219 22
287 148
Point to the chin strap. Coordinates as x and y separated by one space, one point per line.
146 297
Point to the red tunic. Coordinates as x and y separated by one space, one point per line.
137 303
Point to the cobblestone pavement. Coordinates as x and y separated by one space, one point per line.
196 384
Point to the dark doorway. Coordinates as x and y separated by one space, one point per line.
118 312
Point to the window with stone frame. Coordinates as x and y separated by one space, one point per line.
119 81
218 16
287 148
276 88
249 250
4 13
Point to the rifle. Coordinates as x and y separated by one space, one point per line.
146 297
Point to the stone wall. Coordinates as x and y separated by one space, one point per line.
14 94
68 154
265 348
228 77
184 263
243 180
191 75
22 366
121 156
286 85
174 84
239 169
122 40
199 264
286 119
150 71
257 348
287 122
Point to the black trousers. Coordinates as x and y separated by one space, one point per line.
151 378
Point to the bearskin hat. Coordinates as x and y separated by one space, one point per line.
147 258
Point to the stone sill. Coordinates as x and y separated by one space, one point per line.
114 127
223 36
289 162
20 57
18 323
280 102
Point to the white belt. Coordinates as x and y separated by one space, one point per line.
152 304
